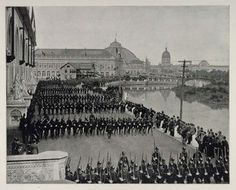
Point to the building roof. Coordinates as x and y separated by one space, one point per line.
166 54
82 66
204 63
116 48
89 53
115 44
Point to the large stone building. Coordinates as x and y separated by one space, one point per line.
20 45
114 60
166 68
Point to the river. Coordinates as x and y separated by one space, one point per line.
195 112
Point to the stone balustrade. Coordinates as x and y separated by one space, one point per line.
42 167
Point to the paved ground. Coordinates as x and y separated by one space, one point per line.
133 146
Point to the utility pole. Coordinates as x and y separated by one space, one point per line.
182 87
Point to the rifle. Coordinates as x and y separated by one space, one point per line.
141 164
147 175
154 145
98 156
79 163
91 162
68 162
170 157
101 171
177 158
107 156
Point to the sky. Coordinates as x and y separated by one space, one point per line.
193 33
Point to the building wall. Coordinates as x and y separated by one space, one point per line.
14 69
52 65
19 79
134 69
48 68
68 72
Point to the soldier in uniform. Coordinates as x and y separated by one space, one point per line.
124 158
197 177
16 146
170 177
206 176
63 127
99 178
156 155
184 155
172 166
51 128
79 176
69 174
109 130
133 173
217 176
74 126
179 177
68 126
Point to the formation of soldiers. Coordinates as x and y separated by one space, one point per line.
185 169
71 100
67 99
54 128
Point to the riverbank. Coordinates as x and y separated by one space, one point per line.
212 95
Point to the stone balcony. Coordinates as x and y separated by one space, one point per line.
44 167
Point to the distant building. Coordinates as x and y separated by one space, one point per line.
77 70
165 67
204 63
206 66
165 59
114 60
168 69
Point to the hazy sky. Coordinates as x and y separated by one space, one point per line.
195 33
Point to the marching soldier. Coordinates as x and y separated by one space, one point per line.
189 177
184 155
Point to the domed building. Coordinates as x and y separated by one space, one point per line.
165 59
114 60
118 51
204 63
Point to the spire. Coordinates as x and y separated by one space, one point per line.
115 37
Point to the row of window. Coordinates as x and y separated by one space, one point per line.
105 66
58 65
49 65
134 71
47 73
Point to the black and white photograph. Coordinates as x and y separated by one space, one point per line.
117 94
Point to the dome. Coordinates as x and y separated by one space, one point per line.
115 44
166 54
204 63
116 50
165 58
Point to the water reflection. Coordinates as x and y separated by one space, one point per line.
195 112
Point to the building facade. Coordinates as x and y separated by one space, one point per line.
114 60
77 70
20 60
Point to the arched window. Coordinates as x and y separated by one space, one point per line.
10 38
